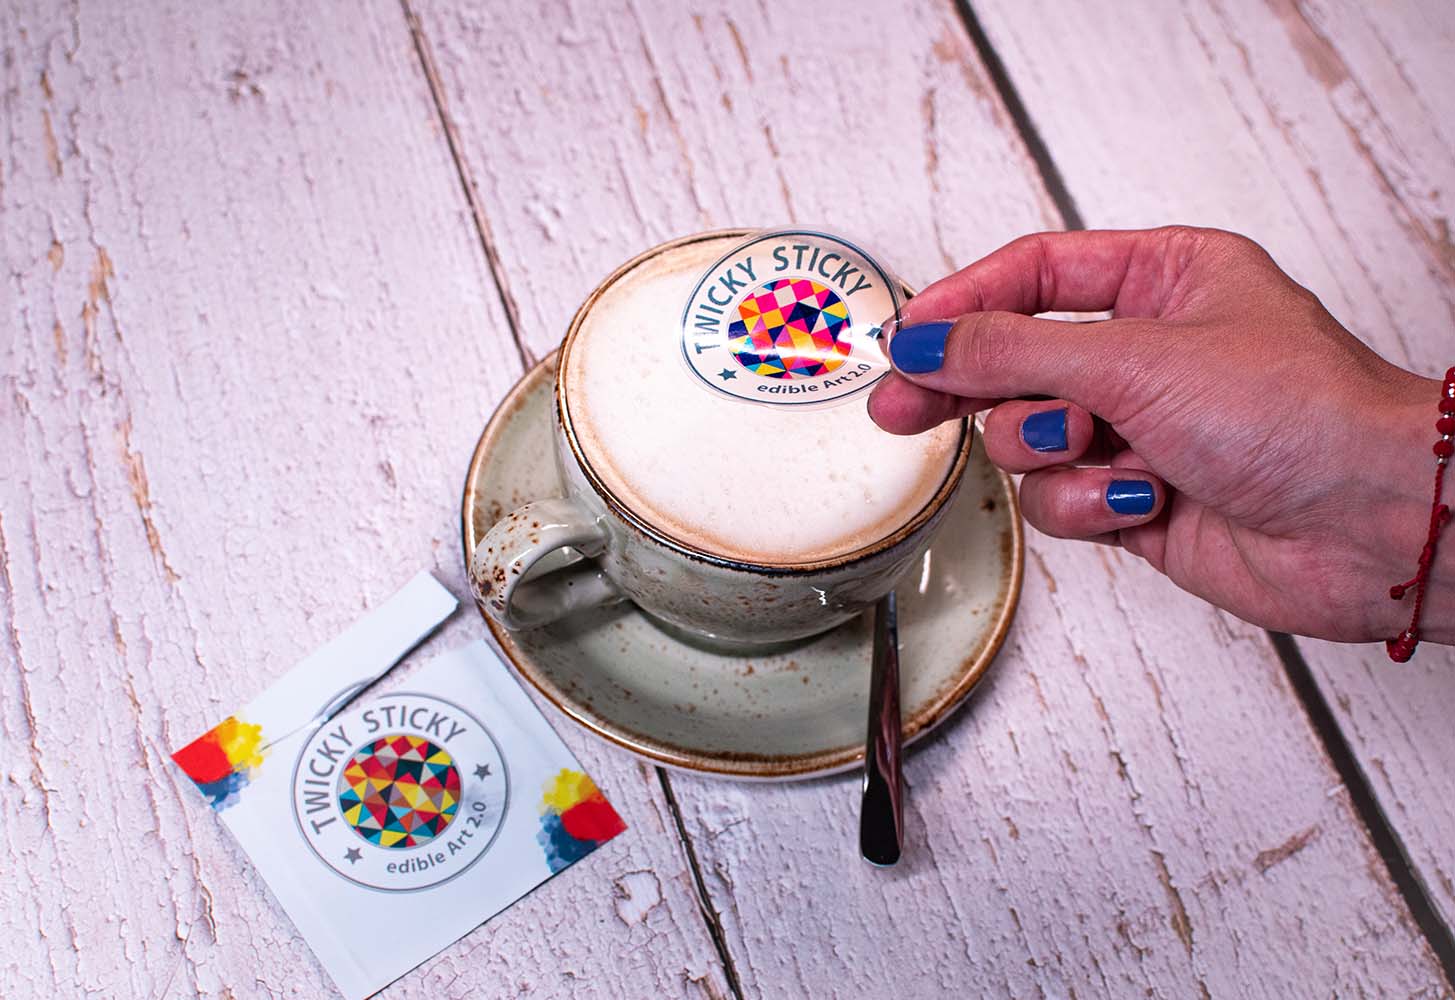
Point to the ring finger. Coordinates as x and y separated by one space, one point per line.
1087 502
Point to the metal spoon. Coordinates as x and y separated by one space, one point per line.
881 814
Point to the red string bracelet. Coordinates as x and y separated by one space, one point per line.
1402 646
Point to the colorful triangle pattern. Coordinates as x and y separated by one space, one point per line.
399 791
790 328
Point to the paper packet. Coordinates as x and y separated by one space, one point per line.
390 827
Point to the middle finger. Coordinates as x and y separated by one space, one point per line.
1024 435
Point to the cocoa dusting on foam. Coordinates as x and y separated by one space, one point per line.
767 485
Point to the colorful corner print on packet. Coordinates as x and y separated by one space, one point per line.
221 760
576 819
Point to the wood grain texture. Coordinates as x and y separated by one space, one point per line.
593 132
1135 802
1322 130
250 340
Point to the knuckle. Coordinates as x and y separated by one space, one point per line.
1186 242
1238 248
1180 248
984 344
1031 244
1249 257
1037 274
1045 290
1183 233
1182 239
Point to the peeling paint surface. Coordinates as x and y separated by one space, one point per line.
268 269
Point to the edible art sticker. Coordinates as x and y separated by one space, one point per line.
404 795
791 317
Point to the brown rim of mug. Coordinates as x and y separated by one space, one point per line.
750 767
641 524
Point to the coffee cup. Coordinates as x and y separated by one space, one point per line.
734 524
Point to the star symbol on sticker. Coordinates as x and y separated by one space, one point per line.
482 771
353 854
726 374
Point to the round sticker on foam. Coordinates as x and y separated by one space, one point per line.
790 318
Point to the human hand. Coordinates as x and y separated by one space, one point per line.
1222 425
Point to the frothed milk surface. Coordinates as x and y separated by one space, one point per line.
762 484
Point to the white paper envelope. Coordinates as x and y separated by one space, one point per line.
391 828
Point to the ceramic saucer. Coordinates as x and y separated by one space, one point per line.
791 714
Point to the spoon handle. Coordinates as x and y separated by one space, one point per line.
881 816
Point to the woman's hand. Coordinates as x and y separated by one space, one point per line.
1222 425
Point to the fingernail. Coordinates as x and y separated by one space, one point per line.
1045 431
1131 496
919 349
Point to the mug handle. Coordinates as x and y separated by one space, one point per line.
501 564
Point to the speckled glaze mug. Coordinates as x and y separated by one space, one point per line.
557 556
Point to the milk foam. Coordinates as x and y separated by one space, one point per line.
763 484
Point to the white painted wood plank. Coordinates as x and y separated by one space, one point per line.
1322 130
1135 802
250 341
1402 60
618 127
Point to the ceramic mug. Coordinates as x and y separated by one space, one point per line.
560 555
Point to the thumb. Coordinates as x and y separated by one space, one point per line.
1112 368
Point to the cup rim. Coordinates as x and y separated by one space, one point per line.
641 524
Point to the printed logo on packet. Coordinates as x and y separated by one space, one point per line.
404 794
789 318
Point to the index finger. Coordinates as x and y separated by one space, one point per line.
1128 271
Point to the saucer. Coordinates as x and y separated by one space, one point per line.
792 713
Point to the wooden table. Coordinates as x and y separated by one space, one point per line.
268 268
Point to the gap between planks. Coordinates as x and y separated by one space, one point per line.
467 183
1386 840
507 301
1382 833
1383 836
710 915
1025 127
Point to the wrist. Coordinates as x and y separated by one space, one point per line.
1402 524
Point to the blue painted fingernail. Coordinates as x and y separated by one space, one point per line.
1131 496
1045 431
919 349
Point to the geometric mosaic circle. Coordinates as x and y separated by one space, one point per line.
399 791
789 328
